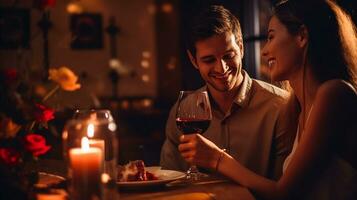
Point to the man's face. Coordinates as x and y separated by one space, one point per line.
219 61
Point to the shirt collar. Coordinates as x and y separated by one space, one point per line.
244 93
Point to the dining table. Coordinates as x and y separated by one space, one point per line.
208 187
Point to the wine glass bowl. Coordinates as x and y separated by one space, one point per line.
188 126
193 115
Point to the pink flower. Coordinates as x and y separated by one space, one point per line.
36 144
43 114
9 156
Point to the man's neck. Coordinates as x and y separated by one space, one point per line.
224 100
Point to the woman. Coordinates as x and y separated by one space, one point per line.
314 47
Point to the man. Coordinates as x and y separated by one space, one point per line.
246 112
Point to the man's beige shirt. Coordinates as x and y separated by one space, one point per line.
254 131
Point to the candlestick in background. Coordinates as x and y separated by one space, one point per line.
86 165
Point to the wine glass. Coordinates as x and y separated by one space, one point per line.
193 115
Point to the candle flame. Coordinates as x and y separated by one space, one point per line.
85 143
90 130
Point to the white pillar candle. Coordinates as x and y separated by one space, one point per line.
98 144
86 165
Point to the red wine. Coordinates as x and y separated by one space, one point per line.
188 126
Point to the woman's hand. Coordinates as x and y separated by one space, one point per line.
198 150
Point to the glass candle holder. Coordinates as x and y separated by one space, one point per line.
93 114
91 150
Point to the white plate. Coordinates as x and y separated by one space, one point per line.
164 176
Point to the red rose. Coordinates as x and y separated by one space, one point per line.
43 114
36 144
9 156
42 4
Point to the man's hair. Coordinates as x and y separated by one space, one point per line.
213 20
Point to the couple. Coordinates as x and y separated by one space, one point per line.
311 44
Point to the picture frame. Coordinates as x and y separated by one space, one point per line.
86 30
14 28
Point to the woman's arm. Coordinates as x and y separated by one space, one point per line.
264 187
328 116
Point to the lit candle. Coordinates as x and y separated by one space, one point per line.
86 164
97 144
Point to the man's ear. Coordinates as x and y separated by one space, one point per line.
192 59
303 37
241 48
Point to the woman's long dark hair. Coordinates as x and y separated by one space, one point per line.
332 43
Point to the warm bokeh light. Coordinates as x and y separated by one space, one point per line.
145 64
167 7
90 130
145 78
114 63
105 178
125 105
74 8
147 103
146 54
112 126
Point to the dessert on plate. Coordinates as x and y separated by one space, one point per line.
135 171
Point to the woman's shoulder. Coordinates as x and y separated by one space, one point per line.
336 89
338 97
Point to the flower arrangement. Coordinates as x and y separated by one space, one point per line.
24 118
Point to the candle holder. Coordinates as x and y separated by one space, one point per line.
98 128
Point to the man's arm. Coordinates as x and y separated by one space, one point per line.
285 131
170 156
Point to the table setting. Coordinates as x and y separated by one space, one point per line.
170 185
90 171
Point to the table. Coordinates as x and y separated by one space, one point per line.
208 188
205 189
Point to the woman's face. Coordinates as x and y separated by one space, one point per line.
283 51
